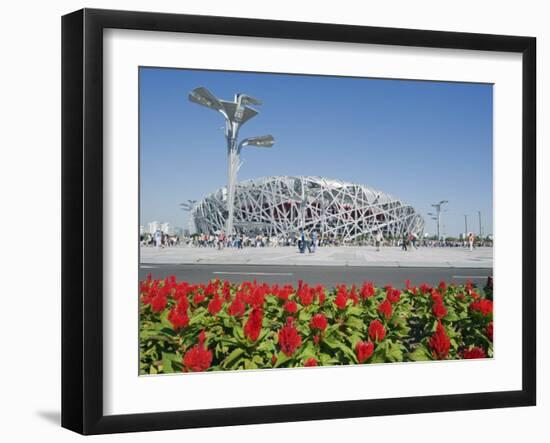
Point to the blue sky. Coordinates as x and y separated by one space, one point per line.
419 141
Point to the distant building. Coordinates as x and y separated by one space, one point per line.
153 227
166 228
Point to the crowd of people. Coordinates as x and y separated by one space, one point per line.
304 240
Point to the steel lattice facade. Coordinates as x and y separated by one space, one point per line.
280 206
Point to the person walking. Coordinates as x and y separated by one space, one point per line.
378 238
471 239
313 240
404 240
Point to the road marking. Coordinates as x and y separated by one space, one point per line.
148 267
252 273
469 276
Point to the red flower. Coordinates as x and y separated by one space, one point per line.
198 298
442 286
425 288
319 321
322 297
440 343
253 325
305 294
159 302
490 331
237 307
474 352
289 339
367 290
353 295
290 306
178 318
316 339
198 358
436 296
310 362
215 305
385 309
393 295
439 310
364 350
484 306
273 359
377 332
341 298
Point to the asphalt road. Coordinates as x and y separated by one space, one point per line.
326 275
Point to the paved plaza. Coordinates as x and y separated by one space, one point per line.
326 256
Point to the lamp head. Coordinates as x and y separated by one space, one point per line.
204 97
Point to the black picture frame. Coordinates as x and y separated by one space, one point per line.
82 218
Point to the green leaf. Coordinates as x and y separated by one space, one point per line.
419 354
355 323
232 357
281 359
167 359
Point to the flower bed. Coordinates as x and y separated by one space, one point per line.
224 326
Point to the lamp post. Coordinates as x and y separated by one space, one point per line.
188 207
465 225
236 114
479 215
437 207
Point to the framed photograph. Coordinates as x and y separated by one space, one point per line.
269 221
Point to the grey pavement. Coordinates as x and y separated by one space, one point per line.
329 276
327 256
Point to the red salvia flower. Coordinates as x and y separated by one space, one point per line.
425 288
377 332
436 296
393 295
178 318
215 305
484 306
253 325
290 306
198 298
385 309
442 286
439 310
367 290
364 350
440 343
341 298
198 358
158 303
237 307
310 362
289 338
353 295
319 322
316 339
474 352
305 294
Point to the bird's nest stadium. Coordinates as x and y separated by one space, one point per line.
281 206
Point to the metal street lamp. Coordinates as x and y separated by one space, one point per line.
236 114
189 206
437 207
